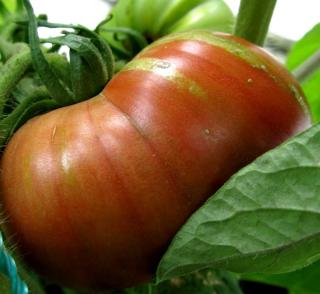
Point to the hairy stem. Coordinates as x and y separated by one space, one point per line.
36 103
12 71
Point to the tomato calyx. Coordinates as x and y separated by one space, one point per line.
35 79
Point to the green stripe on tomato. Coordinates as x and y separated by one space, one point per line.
253 55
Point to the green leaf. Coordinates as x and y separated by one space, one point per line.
11 12
265 219
91 60
202 282
11 4
300 52
56 87
311 88
137 40
304 281
304 48
87 65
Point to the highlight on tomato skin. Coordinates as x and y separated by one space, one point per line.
94 192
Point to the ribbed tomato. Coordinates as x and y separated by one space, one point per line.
94 192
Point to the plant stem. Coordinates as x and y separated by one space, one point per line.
12 71
253 20
8 49
36 103
306 69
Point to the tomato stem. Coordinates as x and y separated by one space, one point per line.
253 20
11 73
305 70
37 102
8 49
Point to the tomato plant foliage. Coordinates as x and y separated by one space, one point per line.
303 281
301 51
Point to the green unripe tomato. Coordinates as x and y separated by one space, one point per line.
154 19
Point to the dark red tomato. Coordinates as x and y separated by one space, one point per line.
94 192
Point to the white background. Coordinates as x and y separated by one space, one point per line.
292 18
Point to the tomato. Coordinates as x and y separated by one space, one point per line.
166 16
94 192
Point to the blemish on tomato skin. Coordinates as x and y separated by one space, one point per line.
211 135
53 134
70 178
249 81
58 139
264 68
163 64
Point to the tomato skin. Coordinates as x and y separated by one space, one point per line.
94 192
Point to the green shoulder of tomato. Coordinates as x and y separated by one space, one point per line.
154 19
